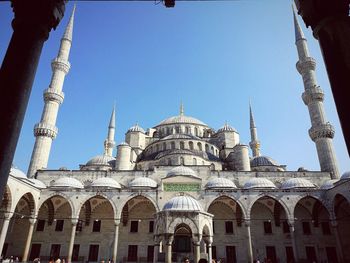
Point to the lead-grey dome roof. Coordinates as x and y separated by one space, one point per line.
294 183
226 128
17 173
345 176
258 182
136 128
182 170
182 203
67 182
143 182
263 161
181 119
106 182
37 183
329 184
220 182
100 160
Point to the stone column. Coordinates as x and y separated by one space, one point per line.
4 229
210 252
168 251
294 241
116 237
31 26
197 251
32 222
330 23
340 252
72 238
155 252
249 239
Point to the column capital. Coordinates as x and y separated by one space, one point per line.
247 221
117 222
37 16
74 221
8 215
317 13
33 220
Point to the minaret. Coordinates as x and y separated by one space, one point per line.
254 143
321 131
45 131
181 109
109 142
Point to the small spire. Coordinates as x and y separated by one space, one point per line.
298 31
181 109
252 121
68 33
112 120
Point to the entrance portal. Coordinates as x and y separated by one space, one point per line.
182 239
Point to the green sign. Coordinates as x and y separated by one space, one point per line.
182 187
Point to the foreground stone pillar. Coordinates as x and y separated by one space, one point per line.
210 252
155 252
32 222
330 23
116 237
4 229
31 26
197 251
72 238
340 251
294 241
249 239
168 252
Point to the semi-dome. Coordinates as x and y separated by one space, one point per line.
67 182
182 203
295 183
345 176
182 170
136 128
17 173
143 182
106 182
226 128
37 183
181 119
263 161
258 182
328 184
220 183
100 160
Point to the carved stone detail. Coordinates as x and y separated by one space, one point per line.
321 131
312 95
60 64
53 95
43 129
305 65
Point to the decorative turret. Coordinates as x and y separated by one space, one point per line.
321 131
45 131
109 143
254 143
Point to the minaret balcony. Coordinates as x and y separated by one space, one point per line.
44 129
305 65
313 95
60 64
321 131
53 95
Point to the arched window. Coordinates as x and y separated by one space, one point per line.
173 145
187 130
164 146
182 161
157 148
169 161
212 150
199 146
207 148
191 145
196 131
194 161
168 131
212 167
182 145
177 129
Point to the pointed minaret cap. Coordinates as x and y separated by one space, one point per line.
112 120
181 109
252 122
68 34
298 31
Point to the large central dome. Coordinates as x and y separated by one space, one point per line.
181 119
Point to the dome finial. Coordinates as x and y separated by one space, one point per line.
181 109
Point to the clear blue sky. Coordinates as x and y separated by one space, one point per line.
214 56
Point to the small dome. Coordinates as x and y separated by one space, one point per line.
106 182
345 176
67 182
226 128
263 161
17 173
37 183
100 160
182 170
182 203
328 184
123 144
136 128
258 182
293 183
220 182
143 182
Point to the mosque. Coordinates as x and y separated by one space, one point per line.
180 189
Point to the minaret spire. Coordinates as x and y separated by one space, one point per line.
46 131
254 143
321 131
109 143
181 109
